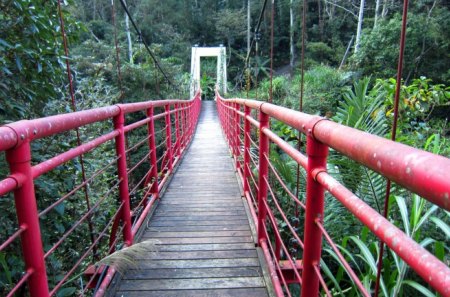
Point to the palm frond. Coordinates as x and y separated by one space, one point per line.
126 258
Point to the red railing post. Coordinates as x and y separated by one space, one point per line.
169 156
237 139
19 160
263 176
124 195
246 149
177 130
315 197
152 148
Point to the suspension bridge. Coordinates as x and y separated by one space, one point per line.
196 179
212 212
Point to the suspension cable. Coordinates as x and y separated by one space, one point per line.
139 33
272 21
258 25
74 108
254 41
393 133
302 87
116 44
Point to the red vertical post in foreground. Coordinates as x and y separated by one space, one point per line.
177 130
263 175
315 197
152 147
169 156
124 193
246 149
237 128
19 159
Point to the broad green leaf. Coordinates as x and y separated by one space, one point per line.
442 225
419 288
439 250
404 213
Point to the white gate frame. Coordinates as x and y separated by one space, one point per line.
221 54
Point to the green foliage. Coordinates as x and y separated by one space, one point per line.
322 53
417 101
427 47
31 56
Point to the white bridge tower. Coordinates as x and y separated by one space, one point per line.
221 54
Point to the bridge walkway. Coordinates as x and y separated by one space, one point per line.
204 241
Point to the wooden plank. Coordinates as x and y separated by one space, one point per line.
189 234
192 284
195 240
246 292
187 222
205 212
206 247
192 255
200 218
199 228
172 273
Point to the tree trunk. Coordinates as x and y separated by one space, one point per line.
248 27
319 10
94 9
385 9
377 8
130 44
291 34
360 22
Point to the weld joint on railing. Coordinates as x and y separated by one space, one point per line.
315 173
20 137
18 178
311 130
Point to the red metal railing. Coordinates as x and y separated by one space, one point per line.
418 171
168 128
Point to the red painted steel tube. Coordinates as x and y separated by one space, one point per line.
421 172
284 186
152 149
246 149
263 173
322 281
81 259
90 179
169 138
315 199
22 281
8 138
272 270
237 133
19 160
138 144
143 216
344 262
54 162
11 183
177 130
433 271
287 148
43 127
119 121
250 205
12 237
416 170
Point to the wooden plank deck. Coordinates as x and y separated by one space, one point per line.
205 242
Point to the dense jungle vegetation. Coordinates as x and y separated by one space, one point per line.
355 88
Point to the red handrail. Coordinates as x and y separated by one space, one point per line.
15 141
423 173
